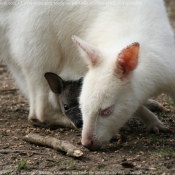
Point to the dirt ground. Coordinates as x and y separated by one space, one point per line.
133 151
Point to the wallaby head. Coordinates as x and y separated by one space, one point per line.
107 92
68 94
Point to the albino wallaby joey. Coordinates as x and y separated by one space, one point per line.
68 94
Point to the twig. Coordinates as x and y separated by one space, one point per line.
62 145
6 151
8 90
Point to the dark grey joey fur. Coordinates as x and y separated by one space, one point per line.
68 94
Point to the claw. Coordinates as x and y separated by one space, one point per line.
160 126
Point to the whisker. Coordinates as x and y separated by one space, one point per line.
79 114
70 110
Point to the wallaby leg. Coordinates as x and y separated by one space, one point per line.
153 105
44 106
19 78
32 102
173 95
151 120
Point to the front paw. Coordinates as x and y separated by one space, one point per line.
158 126
155 106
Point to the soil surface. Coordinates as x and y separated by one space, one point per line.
132 151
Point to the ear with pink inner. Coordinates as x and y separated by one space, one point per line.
91 51
127 60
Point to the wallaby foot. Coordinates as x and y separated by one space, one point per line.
152 121
52 126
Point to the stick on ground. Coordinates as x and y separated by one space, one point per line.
7 151
62 145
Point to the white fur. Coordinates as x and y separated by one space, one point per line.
36 39
149 26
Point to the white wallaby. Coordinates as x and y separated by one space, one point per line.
128 54
131 57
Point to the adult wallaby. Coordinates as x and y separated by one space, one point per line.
128 56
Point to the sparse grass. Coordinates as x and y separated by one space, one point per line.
22 165
165 152
67 163
70 163
54 162
103 168
160 169
169 102
154 139
58 163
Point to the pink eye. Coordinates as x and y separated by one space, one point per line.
108 111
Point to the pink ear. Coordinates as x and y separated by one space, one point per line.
90 50
127 60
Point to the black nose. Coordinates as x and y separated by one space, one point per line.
79 124
76 117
